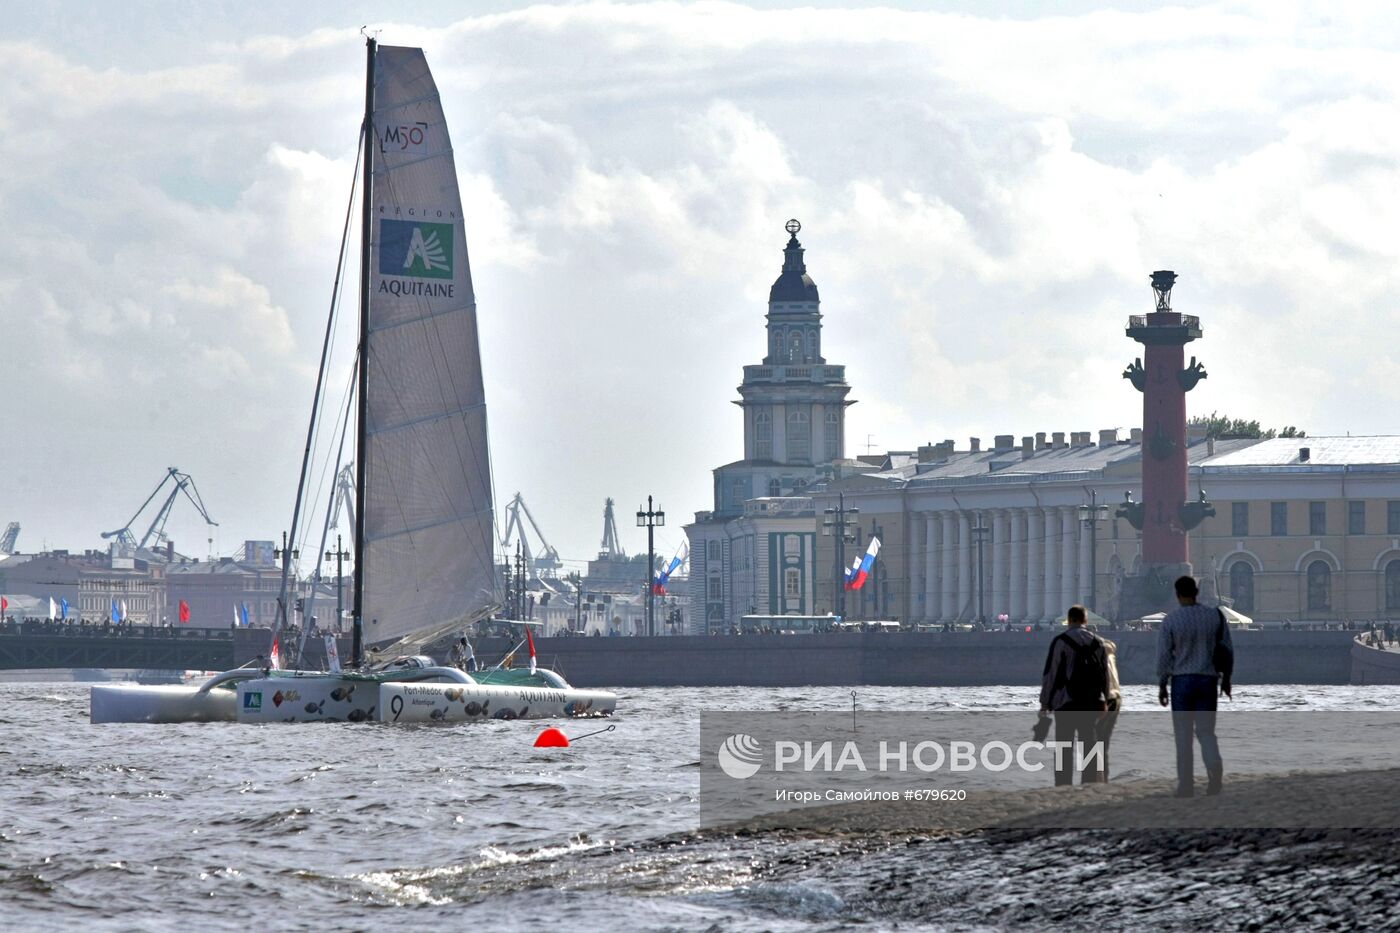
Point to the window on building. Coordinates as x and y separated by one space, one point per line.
1278 518
1319 586
1392 518
799 436
762 436
775 487
795 348
1356 518
716 592
1242 586
1239 519
1317 518
1392 586
832 440
792 583
712 552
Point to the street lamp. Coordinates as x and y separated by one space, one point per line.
340 555
650 520
1089 516
845 520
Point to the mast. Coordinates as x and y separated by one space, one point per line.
366 218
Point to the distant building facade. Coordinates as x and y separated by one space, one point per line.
1306 530
753 552
216 591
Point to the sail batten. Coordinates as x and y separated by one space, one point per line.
428 506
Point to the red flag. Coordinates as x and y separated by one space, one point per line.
530 640
4 605
275 655
184 611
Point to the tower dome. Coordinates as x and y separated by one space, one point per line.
794 284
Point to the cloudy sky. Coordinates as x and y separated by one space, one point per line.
983 190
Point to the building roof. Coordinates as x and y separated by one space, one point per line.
1322 451
226 566
1010 465
794 284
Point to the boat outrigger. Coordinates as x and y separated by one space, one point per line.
424 526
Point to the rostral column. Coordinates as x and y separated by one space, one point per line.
1164 516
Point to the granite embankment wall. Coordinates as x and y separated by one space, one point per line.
967 659
1374 665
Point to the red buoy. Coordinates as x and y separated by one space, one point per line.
552 738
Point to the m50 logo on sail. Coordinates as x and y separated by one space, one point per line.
404 137
415 249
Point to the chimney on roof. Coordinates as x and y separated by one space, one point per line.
1005 442
1040 443
1136 436
1086 439
1304 454
1057 440
926 453
1210 447
1027 447
1108 437
975 444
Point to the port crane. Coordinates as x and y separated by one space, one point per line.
344 498
155 533
542 564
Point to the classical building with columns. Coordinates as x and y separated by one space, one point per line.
1305 530
753 552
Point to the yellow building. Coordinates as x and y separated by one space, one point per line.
1305 530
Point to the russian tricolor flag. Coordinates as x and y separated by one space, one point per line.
866 564
851 572
658 583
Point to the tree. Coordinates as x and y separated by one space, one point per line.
1223 427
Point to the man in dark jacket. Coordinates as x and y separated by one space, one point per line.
1075 686
1194 656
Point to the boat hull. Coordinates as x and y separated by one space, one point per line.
459 703
165 704
295 698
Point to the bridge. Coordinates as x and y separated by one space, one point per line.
37 645
834 659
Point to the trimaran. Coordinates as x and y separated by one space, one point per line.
424 541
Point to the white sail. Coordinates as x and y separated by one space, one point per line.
428 503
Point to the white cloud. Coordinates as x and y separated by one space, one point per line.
982 199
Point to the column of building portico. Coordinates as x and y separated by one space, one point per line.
947 581
931 588
914 555
1016 573
996 584
1054 608
1035 565
966 596
1069 569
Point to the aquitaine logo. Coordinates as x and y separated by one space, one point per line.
415 249
740 756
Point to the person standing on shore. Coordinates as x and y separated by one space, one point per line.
1076 687
1194 657
1104 728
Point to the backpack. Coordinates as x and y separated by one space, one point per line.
1088 671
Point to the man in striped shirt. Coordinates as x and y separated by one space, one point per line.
1194 656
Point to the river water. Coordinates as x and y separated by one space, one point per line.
132 827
